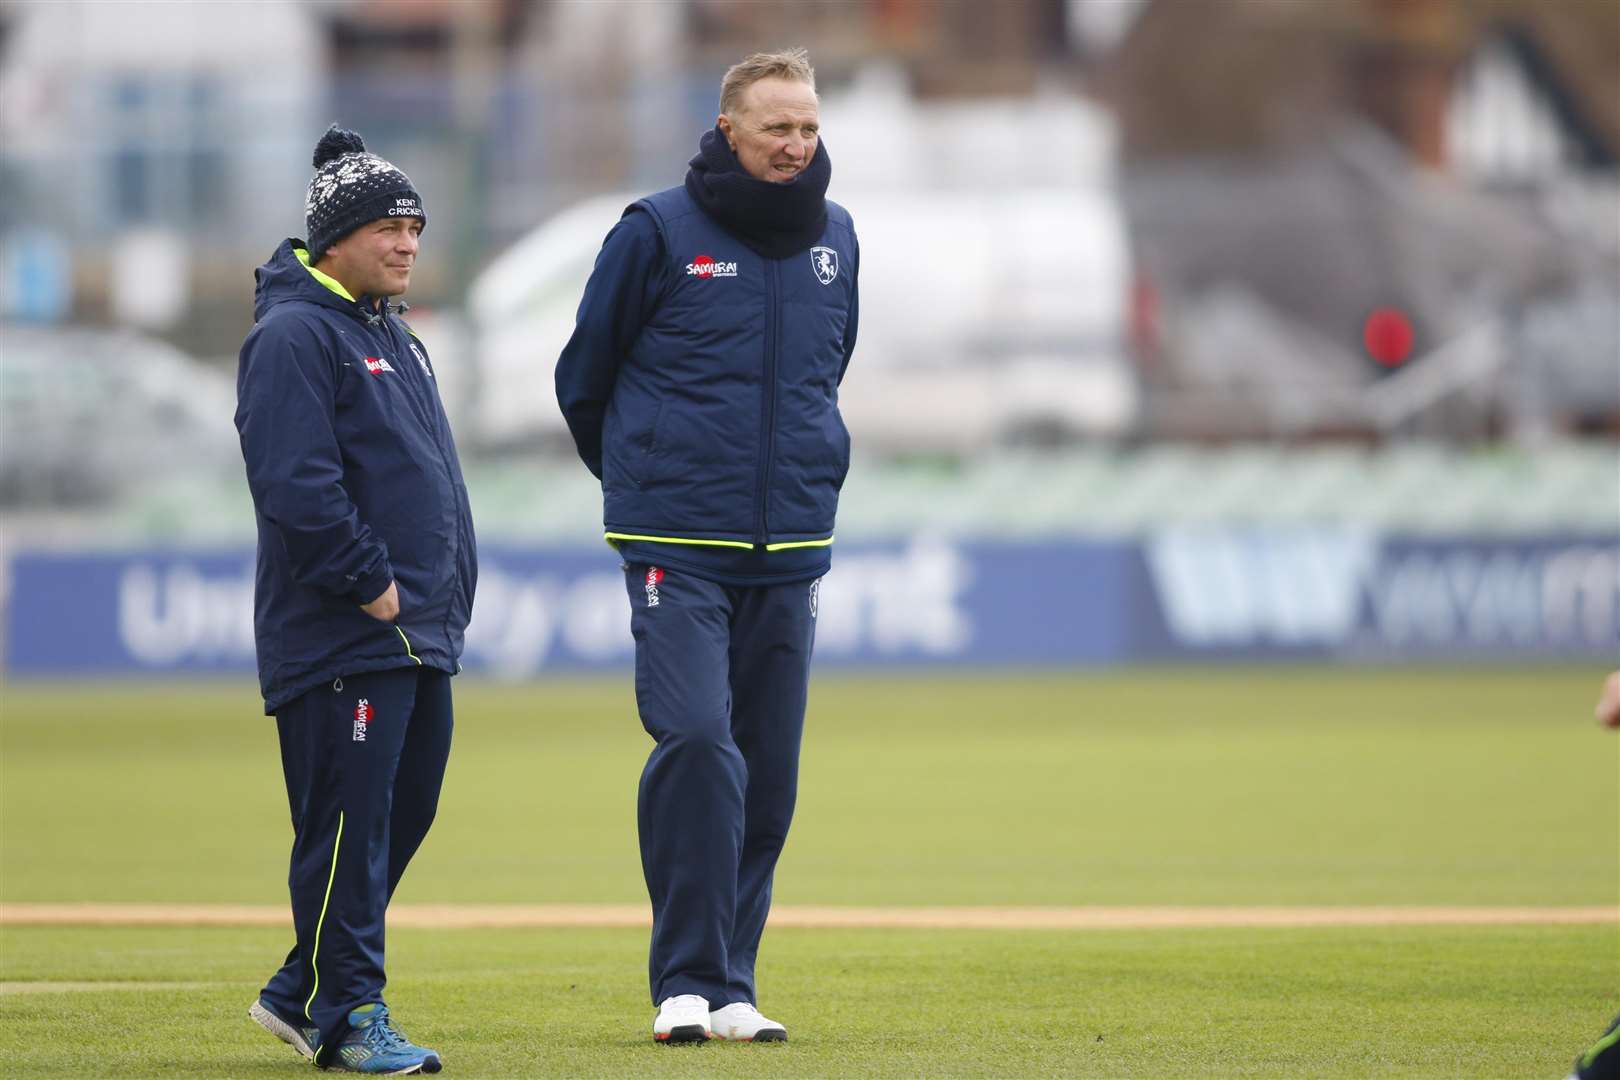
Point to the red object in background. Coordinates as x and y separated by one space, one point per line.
1144 318
1388 337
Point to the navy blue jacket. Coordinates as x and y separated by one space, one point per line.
355 482
701 382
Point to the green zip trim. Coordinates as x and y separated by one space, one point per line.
800 544
1602 1044
316 955
407 642
612 536
321 276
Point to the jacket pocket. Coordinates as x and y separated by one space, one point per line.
644 463
841 447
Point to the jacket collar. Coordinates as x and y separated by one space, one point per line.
288 275
302 254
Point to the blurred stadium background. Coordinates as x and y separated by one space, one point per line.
1259 329
1234 519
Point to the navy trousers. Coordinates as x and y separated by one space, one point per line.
722 678
364 760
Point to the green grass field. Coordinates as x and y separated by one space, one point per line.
1174 787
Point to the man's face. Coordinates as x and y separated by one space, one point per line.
376 259
773 129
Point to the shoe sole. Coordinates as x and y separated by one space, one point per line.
431 1065
282 1030
686 1033
767 1035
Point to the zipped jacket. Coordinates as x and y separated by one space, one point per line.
701 387
355 483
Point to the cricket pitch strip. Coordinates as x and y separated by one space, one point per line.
534 916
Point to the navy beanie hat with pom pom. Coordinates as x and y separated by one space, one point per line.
351 188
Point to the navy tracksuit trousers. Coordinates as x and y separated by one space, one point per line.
722 678
364 760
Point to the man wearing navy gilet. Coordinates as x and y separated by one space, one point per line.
701 387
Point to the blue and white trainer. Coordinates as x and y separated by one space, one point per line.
375 1045
299 1034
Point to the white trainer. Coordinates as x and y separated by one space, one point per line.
683 1018
741 1022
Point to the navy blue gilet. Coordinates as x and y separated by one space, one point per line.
723 427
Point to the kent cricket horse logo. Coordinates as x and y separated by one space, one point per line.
420 359
824 260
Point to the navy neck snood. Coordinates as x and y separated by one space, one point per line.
775 220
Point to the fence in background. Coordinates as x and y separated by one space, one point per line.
1199 594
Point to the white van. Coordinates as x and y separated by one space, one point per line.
985 318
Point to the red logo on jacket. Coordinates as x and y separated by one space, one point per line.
377 365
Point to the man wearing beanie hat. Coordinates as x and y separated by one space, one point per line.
701 388
364 586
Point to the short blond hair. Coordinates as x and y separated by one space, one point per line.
788 64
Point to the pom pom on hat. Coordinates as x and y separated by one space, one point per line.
337 142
